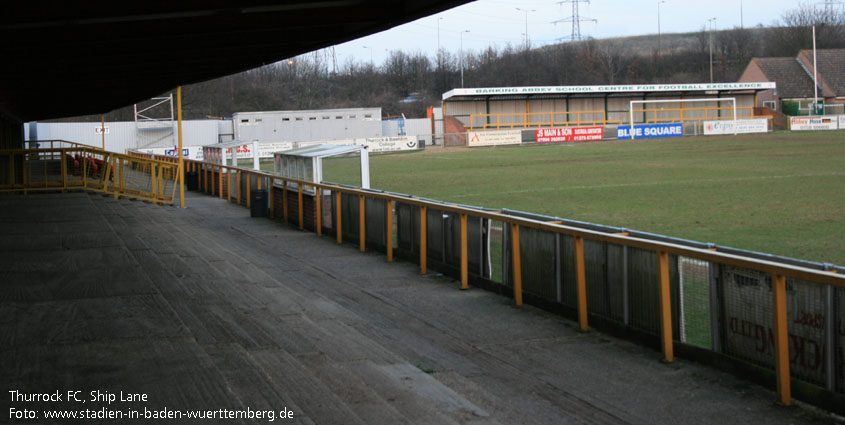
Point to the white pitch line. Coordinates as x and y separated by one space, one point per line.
606 186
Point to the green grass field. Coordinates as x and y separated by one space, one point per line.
781 193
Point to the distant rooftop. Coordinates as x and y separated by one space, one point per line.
794 83
831 65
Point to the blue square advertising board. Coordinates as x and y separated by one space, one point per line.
650 131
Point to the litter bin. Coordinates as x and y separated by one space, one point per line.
192 180
258 203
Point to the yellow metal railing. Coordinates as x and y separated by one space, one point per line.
543 119
62 165
211 181
710 114
512 120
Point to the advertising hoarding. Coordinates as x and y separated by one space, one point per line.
827 122
188 152
748 322
650 131
389 144
241 151
744 126
569 134
373 144
265 150
494 138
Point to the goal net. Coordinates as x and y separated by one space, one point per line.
682 113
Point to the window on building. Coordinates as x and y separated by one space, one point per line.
771 104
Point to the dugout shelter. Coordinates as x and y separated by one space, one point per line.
306 163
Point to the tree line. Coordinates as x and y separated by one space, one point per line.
408 82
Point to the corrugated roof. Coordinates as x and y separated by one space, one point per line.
791 78
321 150
549 92
128 51
227 145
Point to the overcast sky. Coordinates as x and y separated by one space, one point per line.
497 22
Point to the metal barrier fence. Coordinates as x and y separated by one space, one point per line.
779 314
516 120
513 120
60 165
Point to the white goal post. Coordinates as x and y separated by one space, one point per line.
717 99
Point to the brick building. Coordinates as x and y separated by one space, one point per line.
794 77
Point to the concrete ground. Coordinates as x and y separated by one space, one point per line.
208 309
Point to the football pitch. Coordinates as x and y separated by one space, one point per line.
780 193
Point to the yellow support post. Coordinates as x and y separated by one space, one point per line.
122 176
665 308
464 256
362 222
338 220
238 183
527 112
318 209
581 284
248 189
154 180
781 339
258 182
389 238
160 181
423 239
517 265
301 207
285 199
181 169
229 184
115 178
220 182
24 172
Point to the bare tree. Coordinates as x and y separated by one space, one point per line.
795 33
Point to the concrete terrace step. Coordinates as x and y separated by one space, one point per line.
207 308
